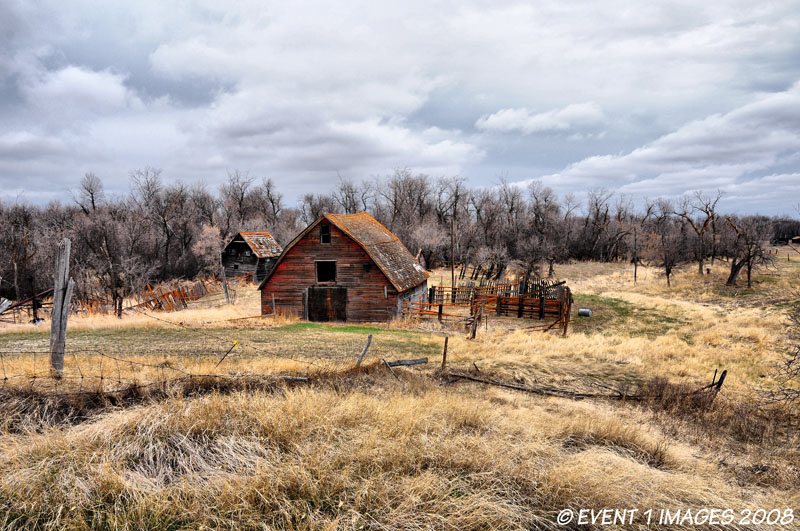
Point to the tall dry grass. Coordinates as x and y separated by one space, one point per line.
393 457
364 450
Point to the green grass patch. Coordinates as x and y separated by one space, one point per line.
608 313
310 340
612 316
333 327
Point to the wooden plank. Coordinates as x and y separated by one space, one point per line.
407 363
390 368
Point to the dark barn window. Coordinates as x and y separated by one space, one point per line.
324 233
326 271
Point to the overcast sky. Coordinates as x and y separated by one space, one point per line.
644 99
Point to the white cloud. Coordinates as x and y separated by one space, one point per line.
303 91
722 151
576 116
80 90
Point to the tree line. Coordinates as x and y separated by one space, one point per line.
164 230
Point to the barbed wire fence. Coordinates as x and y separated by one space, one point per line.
225 356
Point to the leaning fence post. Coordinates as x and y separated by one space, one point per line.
364 352
444 353
62 293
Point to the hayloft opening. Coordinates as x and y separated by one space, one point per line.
326 271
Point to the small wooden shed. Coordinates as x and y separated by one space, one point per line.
343 267
250 253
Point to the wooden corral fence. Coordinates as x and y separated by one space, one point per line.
482 273
172 300
532 299
12 311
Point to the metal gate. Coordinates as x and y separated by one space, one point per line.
326 303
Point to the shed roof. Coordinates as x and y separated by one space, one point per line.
262 244
383 247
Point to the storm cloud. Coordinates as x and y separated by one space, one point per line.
646 100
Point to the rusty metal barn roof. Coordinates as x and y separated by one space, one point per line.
385 249
262 244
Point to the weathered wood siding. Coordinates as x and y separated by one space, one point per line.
239 264
355 270
263 267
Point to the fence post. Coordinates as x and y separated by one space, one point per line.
541 303
62 293
444 353
225 286
364 351
441 307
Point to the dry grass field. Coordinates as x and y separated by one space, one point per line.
362 449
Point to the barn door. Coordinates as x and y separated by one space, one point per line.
327 303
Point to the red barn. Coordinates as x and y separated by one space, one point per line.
343 267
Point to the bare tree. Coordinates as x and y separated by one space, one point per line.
268 202
314 205
90 194
205 204
236 200
747 249
700 213
666 239
351 197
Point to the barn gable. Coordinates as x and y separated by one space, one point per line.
383 247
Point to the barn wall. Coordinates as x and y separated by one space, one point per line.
365 285
412 295
263 267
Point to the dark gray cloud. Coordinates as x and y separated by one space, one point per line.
644 99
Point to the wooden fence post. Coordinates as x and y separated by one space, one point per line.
225 286
62 294
444 353
364 352
541 303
